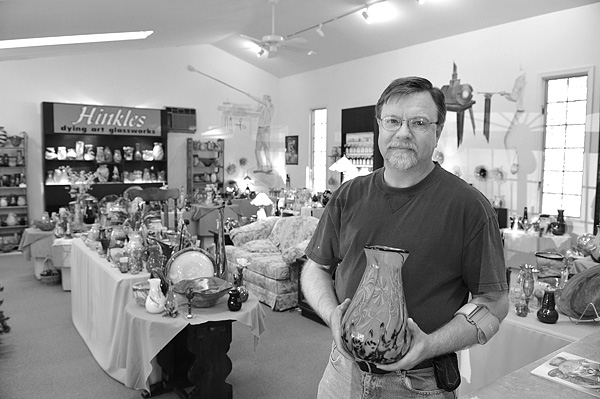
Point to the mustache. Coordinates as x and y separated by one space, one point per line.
401 145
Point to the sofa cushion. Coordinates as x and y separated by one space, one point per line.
253 231
291 230
265 245
268 264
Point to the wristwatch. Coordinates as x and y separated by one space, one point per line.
487 324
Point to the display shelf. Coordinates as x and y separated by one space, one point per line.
204 165
81 146
14 213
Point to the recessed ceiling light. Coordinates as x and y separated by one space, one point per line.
74 39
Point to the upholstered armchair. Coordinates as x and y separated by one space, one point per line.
271 248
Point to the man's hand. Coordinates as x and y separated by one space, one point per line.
335 323
417 352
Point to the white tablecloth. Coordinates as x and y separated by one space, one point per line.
124 338
99 294
520 341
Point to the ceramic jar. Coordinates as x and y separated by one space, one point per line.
50 154
3 202
117 157
61 155
108 155
89 154
155 301
11 219
158 152
374 326
21 200
100 154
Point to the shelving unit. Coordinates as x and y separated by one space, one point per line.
204 164
121 175
14 214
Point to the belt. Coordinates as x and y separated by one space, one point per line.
368 367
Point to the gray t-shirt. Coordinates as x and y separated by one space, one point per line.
448 227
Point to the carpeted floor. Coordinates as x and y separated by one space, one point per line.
44 357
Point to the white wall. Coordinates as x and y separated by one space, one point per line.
490 60
149 78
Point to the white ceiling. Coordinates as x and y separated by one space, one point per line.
220 23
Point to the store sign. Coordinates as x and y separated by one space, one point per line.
100 119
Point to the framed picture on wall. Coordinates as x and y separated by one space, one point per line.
291 150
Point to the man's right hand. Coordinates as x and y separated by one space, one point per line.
335 323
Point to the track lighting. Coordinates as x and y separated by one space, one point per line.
365 14
319 30
260 52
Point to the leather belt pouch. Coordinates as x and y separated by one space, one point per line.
447 374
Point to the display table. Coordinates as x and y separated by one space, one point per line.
522 384
149 342
520 247
99 295
36 245
520 341
123 338
61 257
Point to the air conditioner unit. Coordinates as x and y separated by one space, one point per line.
181 120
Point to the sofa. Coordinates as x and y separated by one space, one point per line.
270 248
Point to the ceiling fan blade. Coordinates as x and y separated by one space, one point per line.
298 49
297 40
253 40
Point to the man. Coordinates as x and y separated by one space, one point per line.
450 231
263 147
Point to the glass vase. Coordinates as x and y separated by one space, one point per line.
374 326
548 313
155 301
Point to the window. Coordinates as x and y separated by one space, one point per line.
319 149
564 132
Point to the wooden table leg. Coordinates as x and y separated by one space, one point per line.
197 358
210 342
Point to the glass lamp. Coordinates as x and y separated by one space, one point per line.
261 200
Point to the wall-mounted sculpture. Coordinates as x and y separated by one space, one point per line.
459 98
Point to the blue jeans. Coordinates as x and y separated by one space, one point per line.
343 379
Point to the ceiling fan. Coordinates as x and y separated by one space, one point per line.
270 44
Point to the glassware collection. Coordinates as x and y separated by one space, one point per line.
109 162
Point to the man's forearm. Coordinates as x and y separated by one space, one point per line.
459 333
318 290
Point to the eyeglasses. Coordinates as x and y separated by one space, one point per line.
417 124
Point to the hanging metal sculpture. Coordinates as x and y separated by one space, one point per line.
459 98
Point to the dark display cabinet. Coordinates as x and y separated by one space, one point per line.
93 129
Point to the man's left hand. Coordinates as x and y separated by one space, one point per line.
417 352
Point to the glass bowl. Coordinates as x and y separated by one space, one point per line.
206 291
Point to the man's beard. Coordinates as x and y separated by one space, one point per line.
401 160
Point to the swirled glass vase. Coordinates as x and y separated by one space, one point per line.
374 326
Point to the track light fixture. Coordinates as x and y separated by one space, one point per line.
260 52
319 30
365 15
363 10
